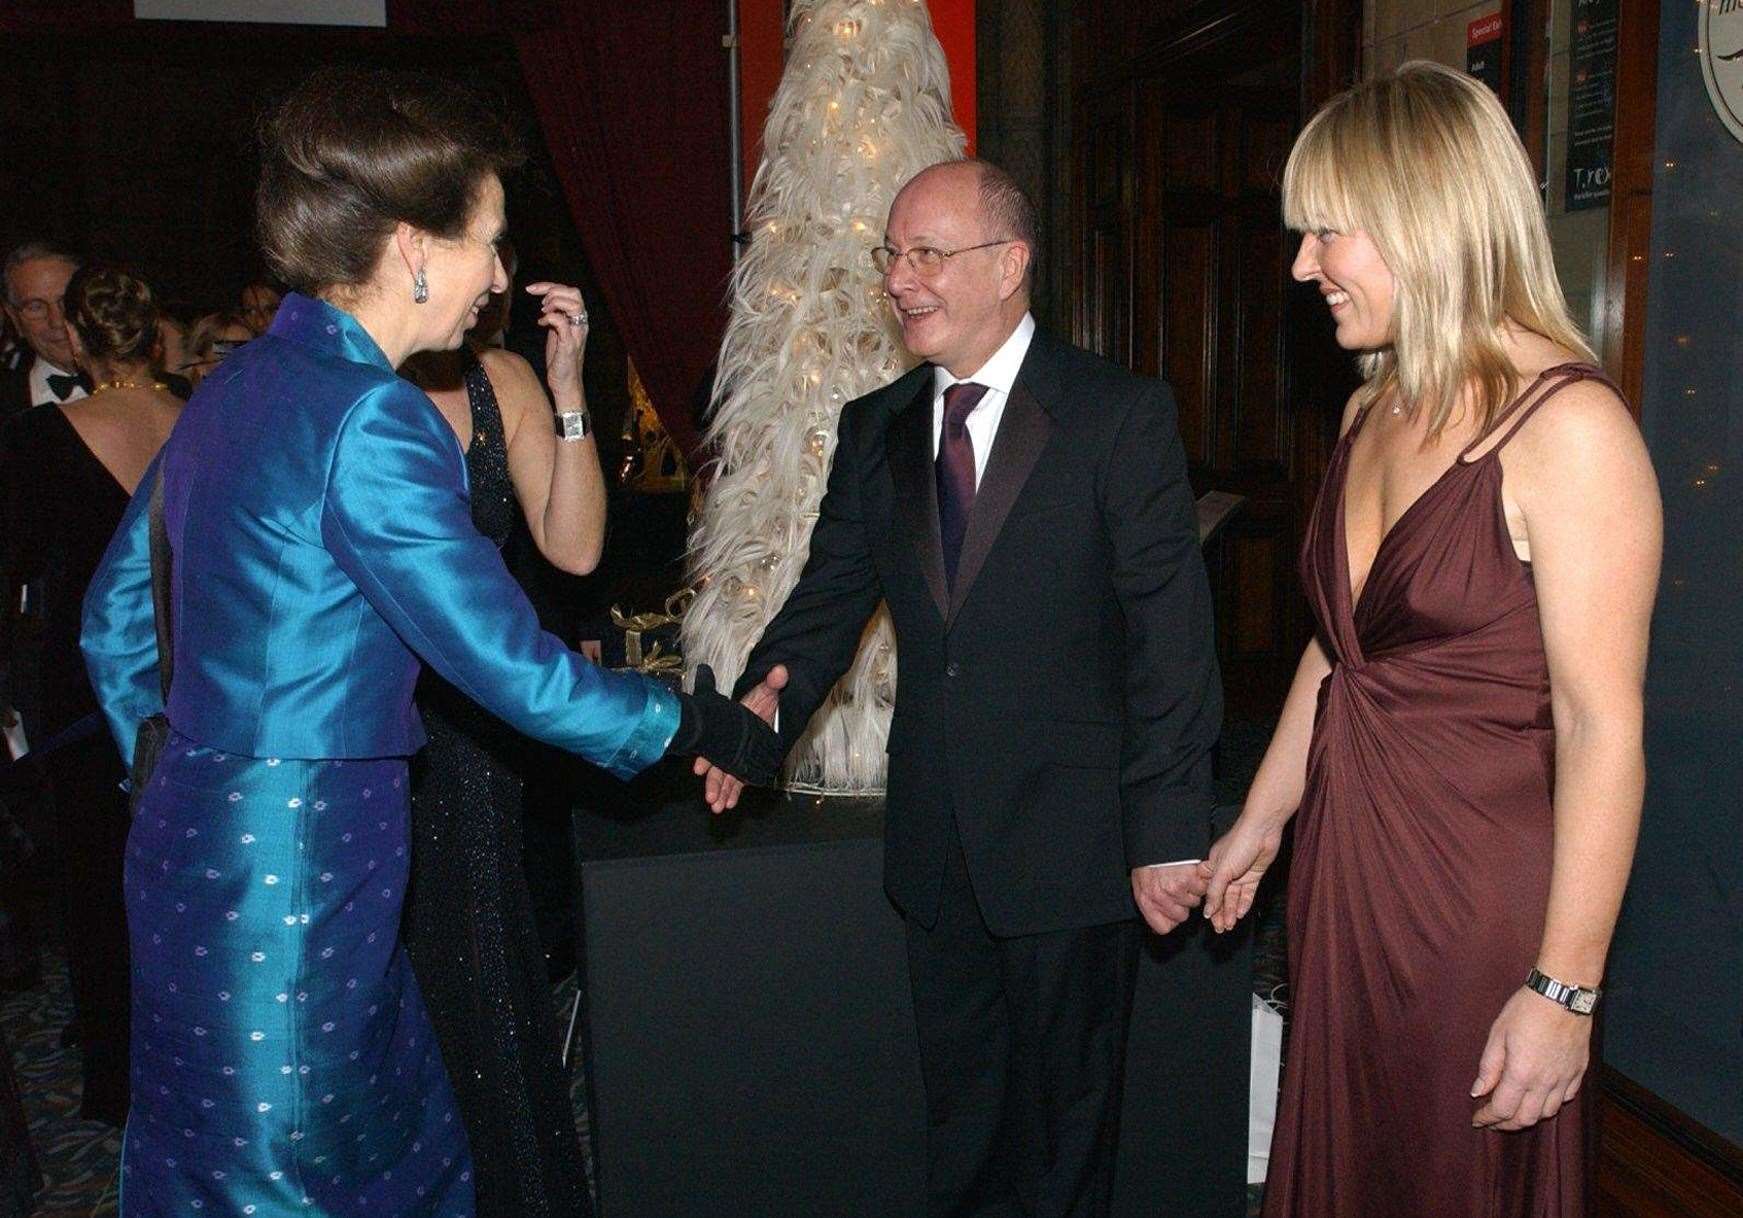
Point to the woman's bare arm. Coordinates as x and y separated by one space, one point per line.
558 482
1583 482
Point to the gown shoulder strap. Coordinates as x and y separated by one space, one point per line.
1549 382
1366 409
481 398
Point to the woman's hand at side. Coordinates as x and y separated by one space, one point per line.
1240 858
1533 1064
1235 865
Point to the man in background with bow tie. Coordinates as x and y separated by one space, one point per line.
36 275
1023 507
34 278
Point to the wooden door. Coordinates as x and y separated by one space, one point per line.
1184 273
1104 181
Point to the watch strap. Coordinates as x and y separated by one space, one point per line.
1581 1000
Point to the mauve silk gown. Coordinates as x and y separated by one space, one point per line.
1422 863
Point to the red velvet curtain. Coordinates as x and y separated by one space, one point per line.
632 99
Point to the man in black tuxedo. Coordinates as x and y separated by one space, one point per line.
35 279
1023 507
33 283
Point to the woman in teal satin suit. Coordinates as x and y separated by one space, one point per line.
316 507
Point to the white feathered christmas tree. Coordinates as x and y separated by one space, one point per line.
863 106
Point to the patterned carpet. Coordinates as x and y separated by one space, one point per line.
78 1158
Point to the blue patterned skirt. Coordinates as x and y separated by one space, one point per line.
282 1060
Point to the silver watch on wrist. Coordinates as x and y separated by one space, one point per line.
1578 999
574 424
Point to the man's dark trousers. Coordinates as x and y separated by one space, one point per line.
1022 1052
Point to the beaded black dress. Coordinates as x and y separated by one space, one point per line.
469 921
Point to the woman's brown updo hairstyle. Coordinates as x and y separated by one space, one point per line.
351 152
113 314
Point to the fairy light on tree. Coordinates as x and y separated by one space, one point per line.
864 105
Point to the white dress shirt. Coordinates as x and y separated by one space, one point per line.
998 374
40 393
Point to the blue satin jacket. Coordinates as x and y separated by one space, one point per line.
317 511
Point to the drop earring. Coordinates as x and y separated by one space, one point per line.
420 288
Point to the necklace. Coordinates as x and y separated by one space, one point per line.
101 386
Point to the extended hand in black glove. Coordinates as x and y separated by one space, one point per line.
727 733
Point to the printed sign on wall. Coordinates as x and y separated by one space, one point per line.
1591 120
1483 50
1721 50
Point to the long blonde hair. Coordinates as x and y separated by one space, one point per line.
1425 162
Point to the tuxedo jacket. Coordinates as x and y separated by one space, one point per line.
1056 708
14 390
15 387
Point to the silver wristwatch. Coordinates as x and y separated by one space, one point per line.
1578 999
574 424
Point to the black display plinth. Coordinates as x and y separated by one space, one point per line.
749 1035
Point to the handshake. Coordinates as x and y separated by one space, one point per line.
734 744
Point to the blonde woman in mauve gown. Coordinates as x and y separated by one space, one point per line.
1461 748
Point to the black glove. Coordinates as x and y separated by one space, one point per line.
727 733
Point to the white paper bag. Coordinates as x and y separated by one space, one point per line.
1262 1087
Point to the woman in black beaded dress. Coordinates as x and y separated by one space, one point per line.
469 921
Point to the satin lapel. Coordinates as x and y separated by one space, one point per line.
909 449
1022 434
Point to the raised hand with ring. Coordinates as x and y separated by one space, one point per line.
564 316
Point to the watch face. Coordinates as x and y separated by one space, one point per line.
1582 1002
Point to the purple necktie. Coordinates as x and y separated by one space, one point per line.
955 471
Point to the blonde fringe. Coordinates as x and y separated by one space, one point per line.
1425 161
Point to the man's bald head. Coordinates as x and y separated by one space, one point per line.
1003 205
961 239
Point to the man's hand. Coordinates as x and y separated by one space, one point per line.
1167 895
719 789
1232 872
1533 1063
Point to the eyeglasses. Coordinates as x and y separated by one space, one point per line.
924 260
38 309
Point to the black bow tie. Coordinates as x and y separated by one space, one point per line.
61 385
